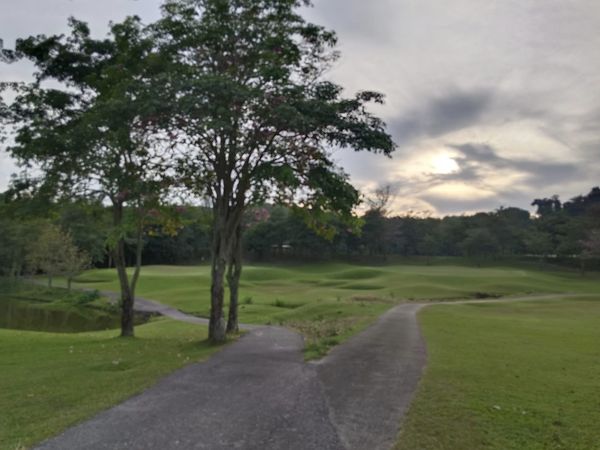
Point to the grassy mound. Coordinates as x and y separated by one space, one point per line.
285 294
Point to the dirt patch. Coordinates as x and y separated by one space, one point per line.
322 329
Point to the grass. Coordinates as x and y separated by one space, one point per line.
51 381
330 302
492 366
509 376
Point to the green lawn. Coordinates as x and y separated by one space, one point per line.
510 376
187 288
329 302
514 376
50 381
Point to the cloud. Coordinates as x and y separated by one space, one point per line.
440 115
367 20
476 160
510 90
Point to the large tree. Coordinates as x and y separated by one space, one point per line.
259 118
95 129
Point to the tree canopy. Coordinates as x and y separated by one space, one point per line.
257 118
91 123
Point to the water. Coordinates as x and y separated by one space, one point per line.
24 315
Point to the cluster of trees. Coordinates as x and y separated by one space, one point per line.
182 234
221 100
566 231
38 246
223 103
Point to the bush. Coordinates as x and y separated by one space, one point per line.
88 297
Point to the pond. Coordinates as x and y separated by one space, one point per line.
15 313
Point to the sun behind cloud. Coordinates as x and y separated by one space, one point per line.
443 164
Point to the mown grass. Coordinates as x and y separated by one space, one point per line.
509 376
330 302
50 381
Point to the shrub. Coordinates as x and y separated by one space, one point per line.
88 296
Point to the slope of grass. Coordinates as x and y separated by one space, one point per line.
51 381
187 288
509 377
328 302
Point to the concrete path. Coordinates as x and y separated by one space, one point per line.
152 306
259 393
370 380
256 394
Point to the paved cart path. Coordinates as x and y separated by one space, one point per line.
258 393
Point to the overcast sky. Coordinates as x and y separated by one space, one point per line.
492 103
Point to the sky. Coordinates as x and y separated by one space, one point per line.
491 103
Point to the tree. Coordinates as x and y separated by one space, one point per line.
510 226
539 243
75 261
547 206
88 223
14 238
22 216
381 199
46 252
99 133
591 247
257 117
429 247
55 254
375 232
479 243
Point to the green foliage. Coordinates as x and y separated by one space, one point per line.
102 132
507 232
88 223
54 253
591 245
260 118
480 242
88 297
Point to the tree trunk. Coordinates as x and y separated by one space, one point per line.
216 325
69 281
49 281
234 273
139 246
126 294
120 264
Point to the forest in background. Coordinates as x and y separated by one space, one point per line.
562 232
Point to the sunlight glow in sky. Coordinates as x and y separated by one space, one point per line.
444 165
491 103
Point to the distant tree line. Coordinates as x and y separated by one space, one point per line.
559 232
